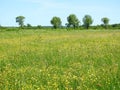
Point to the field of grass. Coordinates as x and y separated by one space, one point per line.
60 60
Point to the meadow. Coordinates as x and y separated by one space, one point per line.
60 60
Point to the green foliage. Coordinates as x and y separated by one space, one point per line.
87 21
39 26
20 20
72 21
105 20
116 26
56 22
29 25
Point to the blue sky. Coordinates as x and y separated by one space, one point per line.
40 12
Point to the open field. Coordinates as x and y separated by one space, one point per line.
60 60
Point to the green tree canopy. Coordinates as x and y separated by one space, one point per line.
87 21
29 25
105 21
56 22
20 20
72 21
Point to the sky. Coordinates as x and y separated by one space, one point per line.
40 12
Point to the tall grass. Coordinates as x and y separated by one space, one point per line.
60 60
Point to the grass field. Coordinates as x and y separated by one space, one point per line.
60 60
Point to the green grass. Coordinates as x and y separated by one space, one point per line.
60 60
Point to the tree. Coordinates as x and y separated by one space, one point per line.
87 21
105 21
56 22
29 25
73 21
39 26
20 20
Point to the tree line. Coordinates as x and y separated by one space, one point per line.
72 22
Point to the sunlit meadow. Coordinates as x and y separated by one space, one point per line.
60 60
